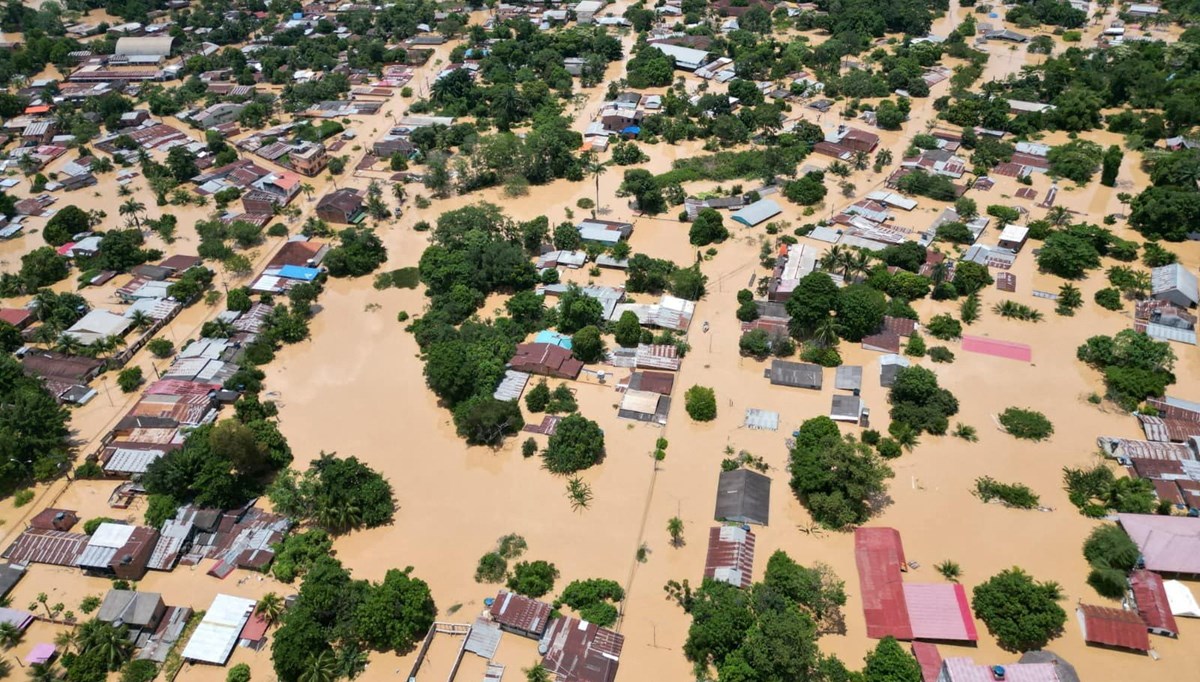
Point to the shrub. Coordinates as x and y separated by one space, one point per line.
888 448
915 346
701 403
239 673
91 525
529 448
160 348
1026 424
491 569
22 497
533 578
538 397
1108 298
944 327
1011 494
140 670
941 354
129 379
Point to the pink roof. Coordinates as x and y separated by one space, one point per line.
1113 627
966 670
65 249
1152 605
880 556
1169 544
15 316
40 653
1001 349
929 658
940 612
287 180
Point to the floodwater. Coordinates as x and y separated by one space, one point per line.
356 388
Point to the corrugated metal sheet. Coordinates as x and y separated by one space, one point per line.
215 637
1167 333
730 557
743 496
53 547
939 612
511 386
848 377
762 420
1152 604
879 556
521 613
126 461
1169 544
1113 627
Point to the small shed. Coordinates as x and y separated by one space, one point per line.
519 614
743 496
1115 628
846 408
795 374
1152 604
730 557
758 212
54 519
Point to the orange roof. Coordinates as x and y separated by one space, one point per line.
37 109
286 180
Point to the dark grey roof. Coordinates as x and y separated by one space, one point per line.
1065 671
744 496
10 575
127 607
798 374
848 377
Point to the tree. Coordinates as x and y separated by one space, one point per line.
708 227
1111 165
1026 424
319 667
537 673
700 403
888 116
532 578
107 643
1069 299
966 208
808 190
42 267
358 253
270 607
129 379
640 183
142 670
1021 613
337 494
65 224
835 478
577 444
721 617
919 402
588 345
944 327
10 338
628 331
889 662
860 310
687 283
133 209
814 296
577 310
971 277
675 530
538 397
1076 160
238 673
1068 255
396 613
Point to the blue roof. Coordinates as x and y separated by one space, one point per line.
631 130
547 336
298 272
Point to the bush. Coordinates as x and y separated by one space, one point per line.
1011 494
941 354
1021 613
160 348
22 497
129 379
529 448
538 397
238 673
1026 424
91 525
944 327
889 448
915 346
491 569
139 671
533 578
1108 298
701 403
1109 546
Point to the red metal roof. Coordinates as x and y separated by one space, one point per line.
47 547
730 555
880 557
17 317
255 628
1152 605
579 651
929 658
940 612
519 612
1113 627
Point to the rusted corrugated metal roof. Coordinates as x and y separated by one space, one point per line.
730 556
1113 627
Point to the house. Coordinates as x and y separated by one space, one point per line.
177 264
617 119
118 550
794 262
39 132
546 359
846 408
1142 10
219 631
65 376
585 12
343 206
1029 669
10 575
579 651
308 158
140 612
743 496
519 614
1013 237
215 115
1169 544
794 374
1115 628
604 232
1176 284
756 213
98 325
644 406
54 519
730 557
686 58
20 318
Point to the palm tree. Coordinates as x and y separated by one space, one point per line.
1058 215
133 208
939 272
537 673
338 516
399 193
140 319
825 335
219 329
68 345
44 672
270 607
10 635
65 640
308 190
861 160
320 668
675 530
1139 284
860 264
111 643
832 258
883 157
592 165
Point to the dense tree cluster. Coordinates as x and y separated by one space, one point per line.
33 428
1134 365
837 478
1096 490
337 494
1020 612
920 403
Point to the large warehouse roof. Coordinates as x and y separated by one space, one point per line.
152 45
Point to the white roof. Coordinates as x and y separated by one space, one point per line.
98 324
1181 599
683 56
1013 233
643 402
215 637
156 45
589 6
111 535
